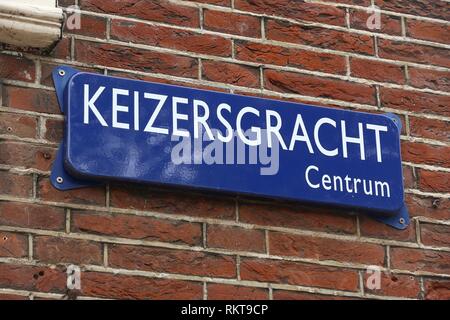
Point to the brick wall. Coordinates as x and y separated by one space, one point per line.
144 242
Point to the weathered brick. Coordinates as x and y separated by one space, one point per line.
394 285
374 229
63 250
54 130
18 125
91 26
153 10
144 198
309 247
435 234
116 286
289 57
427 30
300 10
429 128
433 181
298 295
225 3
432 79
137 227
17 68
16 185
425 8
415 101
30 99
172 261
89 195
437 289
217 291
20 154
409 179
13 245
420 260
413 52
319 37
42 279
235 238
34 216
166 37
143 60
297 217
377 71
234 74
425 153
286 272
7 296
389 24
290 82
429 207
230 22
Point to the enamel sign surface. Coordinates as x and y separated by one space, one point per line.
121 129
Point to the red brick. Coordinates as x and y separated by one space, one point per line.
297 295
30 99
435 235
62 250
230 22
26 155
429 128
172 38
289 57
413 52
432 79
15 185
285 272
144 198
420 260
6 296
433 181
235 74
426 30
415 101
18 125
283 244
425 154
319 37
110 55
235 238
377 71
89 196
13 245
295 10
425 8
172 261
409 180
42 279
437 289
394 285
217 291
34 216
47 69
429 207
91 26
17 68
137 227
389 24
363 3
297 217
153 10
374 229
225 3
54 130
290 82
116 286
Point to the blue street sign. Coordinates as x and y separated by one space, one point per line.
121 129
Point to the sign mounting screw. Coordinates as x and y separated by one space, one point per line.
61 72
59 180
402 220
